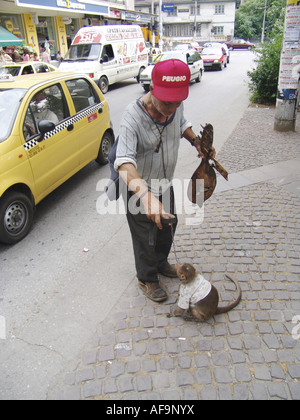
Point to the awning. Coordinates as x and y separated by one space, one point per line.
8 39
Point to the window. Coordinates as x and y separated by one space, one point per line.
42 68
47 104
107 53
27 70
218 30
193 57
177 30
83 94
193 10
10 101
13 70
174 12
219 9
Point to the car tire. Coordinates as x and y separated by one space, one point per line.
104 149
103 84
16 217
146 88
199 78
138 78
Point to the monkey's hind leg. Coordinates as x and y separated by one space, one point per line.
198 315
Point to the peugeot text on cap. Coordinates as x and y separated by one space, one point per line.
171 79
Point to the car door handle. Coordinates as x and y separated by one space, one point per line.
70 127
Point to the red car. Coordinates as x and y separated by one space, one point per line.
239 44
214 58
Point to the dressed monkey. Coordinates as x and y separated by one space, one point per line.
199 296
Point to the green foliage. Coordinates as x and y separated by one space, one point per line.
250 15
264 79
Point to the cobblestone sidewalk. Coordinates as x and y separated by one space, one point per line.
253 352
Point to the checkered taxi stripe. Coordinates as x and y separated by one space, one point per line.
65 124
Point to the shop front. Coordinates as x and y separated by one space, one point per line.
12 23
52 24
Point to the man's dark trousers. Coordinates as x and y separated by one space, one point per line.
151 245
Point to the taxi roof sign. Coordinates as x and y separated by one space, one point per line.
6 78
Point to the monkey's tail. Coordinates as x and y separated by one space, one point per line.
224 309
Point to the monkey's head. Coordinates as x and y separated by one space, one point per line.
186 272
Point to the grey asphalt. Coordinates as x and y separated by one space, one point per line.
250 230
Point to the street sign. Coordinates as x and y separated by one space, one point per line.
168 7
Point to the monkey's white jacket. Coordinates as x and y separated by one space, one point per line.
191 293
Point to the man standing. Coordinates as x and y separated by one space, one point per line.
147 153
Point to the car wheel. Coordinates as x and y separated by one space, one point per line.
103 84
104 149
199 78
16 217
221 66
138 78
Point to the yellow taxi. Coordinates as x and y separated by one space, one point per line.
51 126
27 67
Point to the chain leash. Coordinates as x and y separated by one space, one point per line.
173 244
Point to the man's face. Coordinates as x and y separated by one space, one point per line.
167 109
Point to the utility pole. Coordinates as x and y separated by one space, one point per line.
195 21
153 24
264 22
160 26
289 73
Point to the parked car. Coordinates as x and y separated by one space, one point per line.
193 45
214 58
183 47
219 45
239 44
27 67
191 57
51 126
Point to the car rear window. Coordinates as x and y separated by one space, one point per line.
10 100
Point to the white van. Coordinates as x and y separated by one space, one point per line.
108 54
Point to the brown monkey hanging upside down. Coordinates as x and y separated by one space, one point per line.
199 296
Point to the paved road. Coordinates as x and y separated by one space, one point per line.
53 296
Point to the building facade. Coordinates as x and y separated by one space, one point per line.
200 20
53 23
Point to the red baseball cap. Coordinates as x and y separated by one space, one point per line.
171 79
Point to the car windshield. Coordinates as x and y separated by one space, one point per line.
210 51
83 52
13 70
172 54
10 100
157 59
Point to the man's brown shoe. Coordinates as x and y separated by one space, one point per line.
168 270
153 291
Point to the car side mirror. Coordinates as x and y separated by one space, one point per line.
45 126
104 59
